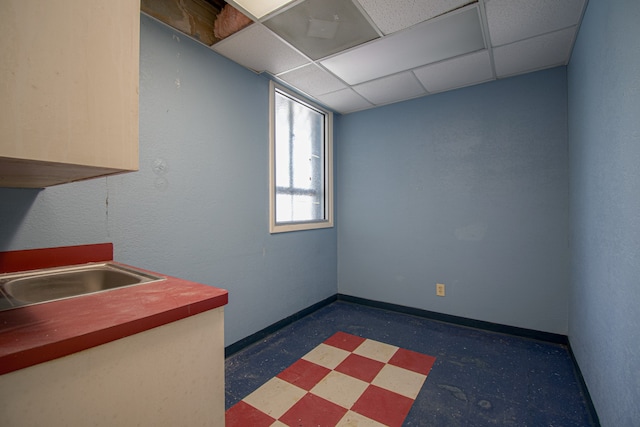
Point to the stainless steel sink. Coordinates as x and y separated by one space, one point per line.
59 283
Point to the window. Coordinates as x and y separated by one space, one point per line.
301 170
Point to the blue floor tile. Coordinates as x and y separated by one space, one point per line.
479 378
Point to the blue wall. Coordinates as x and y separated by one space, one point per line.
205 217
604 142
467 188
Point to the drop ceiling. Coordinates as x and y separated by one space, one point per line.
352 55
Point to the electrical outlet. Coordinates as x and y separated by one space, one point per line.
440 289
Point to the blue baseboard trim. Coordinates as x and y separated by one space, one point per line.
456 320
245 342
461 321
595 420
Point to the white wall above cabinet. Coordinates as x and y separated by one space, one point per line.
69 90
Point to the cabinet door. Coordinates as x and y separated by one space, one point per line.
69 90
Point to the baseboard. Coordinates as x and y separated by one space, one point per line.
457 320
595 420
245 342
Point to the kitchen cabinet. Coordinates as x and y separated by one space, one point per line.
69 91
172 375
151 354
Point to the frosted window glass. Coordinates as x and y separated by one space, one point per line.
299 166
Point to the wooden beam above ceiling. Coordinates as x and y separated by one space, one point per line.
207 21
218 4
195 18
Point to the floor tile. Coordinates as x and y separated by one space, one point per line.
384 406
275 397
344 341
353 419
376 350
326 355
312 410
400 380
412 361
243 415
347 387
304 374
360 367
340 389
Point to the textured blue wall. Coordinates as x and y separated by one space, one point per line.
203 213
604 141
467 188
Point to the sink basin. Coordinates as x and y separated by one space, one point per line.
67 282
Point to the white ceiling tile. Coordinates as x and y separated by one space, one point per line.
319 28
457 72
259 49
312 80
391 89
455 34
260 8
345 101
513 20
391 16
526 35
532 54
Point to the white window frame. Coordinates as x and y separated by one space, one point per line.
327 222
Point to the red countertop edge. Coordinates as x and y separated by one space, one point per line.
34 259
43 332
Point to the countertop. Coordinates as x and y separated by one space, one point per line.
42 332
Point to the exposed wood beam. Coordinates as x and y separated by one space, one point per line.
195 18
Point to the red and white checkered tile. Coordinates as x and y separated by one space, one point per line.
345 381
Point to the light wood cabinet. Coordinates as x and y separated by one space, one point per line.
68 90
172 375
